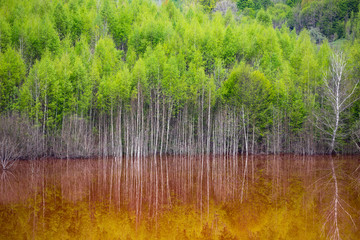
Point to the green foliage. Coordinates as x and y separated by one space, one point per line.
231 47
139 81
88 57
5 34
107 56
242 4
292 3
263 17
12 73
254 4
208 5
327 16
61 20
279 14
250 91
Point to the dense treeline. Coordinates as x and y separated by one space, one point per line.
83 78
325 19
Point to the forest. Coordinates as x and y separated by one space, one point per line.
86 78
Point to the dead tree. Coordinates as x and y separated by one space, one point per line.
10 139
355 135
338 94
225 6
8 153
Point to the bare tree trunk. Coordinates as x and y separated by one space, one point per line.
112 130
157 107
208 154
245 130
120 151
339 95
168 126
162 127
246 156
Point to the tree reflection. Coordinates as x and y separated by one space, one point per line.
337 210
6 180
248 197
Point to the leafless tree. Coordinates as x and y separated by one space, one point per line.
8 153
9 144
339 95
224 6
76 138
355 135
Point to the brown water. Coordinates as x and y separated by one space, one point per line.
258 197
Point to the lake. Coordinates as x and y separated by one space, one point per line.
183 197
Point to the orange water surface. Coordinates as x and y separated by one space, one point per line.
183 197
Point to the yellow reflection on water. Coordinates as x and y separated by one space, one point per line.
203 197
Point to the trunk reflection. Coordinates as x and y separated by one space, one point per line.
182 197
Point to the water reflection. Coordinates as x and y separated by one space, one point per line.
183 197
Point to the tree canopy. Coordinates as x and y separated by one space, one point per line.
91 58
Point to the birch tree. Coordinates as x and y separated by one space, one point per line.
339 94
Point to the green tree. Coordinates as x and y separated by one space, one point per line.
61 20
40 93
12 73
251 93
5 34
263 17
108 56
